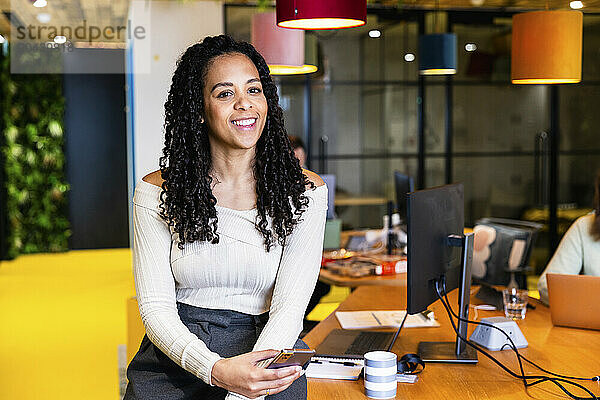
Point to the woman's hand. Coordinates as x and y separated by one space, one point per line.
241 375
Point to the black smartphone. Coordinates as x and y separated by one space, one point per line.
291 357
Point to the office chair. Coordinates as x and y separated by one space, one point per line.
502 250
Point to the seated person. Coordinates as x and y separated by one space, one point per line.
299 149
579 250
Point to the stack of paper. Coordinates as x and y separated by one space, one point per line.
383 319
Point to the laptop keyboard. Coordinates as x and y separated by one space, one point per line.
369 341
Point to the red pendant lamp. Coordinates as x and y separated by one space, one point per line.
283 49
321 14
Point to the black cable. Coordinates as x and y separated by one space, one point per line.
512 344
523 377
397 333
594 379
474 345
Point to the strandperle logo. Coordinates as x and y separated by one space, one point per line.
83 32
94 43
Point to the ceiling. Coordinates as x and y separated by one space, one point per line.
590 5
105 13
101 13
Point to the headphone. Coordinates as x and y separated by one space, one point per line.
409 364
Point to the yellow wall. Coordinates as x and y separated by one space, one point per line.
62 318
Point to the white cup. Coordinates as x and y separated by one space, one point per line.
380 375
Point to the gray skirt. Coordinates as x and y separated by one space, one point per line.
153 375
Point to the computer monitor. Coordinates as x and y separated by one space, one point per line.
403 184
439 251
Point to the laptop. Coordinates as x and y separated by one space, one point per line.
343 343
574 300
354 344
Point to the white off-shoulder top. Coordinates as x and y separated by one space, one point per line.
235 274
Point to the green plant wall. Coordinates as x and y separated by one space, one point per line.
32 125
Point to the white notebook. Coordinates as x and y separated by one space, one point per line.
334 368
383 319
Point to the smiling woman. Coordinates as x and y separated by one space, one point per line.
228 236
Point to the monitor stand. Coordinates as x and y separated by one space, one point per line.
445 352
456 352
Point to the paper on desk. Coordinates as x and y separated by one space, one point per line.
382 319
334 368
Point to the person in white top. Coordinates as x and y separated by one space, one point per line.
579 249
228 236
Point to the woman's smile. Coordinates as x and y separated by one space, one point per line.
244 124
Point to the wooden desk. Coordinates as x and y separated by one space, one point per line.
373 280
569 351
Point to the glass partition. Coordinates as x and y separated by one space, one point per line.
365 100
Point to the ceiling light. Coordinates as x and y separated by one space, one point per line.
321 14
576 5
40 3
374 33
282 49
470 47
437 54
44 18
60 39
547 47
409 57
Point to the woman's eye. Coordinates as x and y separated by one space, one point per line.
224 94
255 90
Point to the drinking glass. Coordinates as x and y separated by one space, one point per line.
515 303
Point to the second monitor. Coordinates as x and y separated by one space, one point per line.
439 261
403 184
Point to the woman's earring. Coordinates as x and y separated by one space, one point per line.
201 120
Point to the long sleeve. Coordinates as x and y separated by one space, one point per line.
296 280
568 258
155 288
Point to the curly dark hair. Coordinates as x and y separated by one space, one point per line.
187 201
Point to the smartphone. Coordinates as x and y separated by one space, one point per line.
291 357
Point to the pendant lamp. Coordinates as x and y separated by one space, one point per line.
437 54
283 49
546 47
321 14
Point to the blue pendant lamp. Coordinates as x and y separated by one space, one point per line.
437 54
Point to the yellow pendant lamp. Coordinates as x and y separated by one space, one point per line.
546 47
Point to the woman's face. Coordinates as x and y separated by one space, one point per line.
234 103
